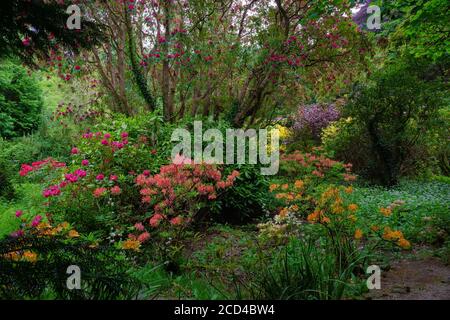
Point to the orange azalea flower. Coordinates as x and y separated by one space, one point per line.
131 244
283 212
299 184
352 207
337 209
358 234
73 234
326 220
349 189
294 207
392 235
30 256
375 228
330 193
313 216
43 225
285 186
14 256
50 232
397 234
386 211
273 187
405 244
280 195
387 233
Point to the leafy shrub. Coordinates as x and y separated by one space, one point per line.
246 200
20 101
392 113
36 268
6 187
35 258
315 168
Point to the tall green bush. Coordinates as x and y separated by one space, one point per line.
392 119
20 100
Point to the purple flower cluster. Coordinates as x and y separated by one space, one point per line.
315 117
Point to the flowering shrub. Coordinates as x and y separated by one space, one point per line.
49 163
315 117
100 177
332 210
40 227
35 258
178 192
100 190
66 113
315 168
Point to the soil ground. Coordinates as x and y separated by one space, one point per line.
421 279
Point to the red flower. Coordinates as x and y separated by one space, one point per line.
155 220
36 221
99 192
143 237
116 190
139 226
176 221
26 41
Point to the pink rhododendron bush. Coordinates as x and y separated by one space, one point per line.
111 186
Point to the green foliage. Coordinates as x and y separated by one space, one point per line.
422 27
27 198
393 112
247 200
424 216
39 22
299 271
20 100
104 273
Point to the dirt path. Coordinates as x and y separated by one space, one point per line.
423 279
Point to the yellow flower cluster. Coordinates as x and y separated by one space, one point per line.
131 244
386 212
358 234
45 229
26 255
396 235
30 256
